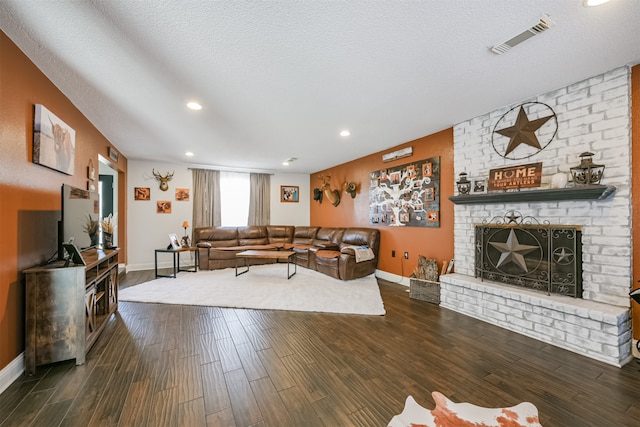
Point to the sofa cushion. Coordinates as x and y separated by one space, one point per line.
280 233
305 235
328 235
369 237
327 262
217 236
222 253
327 254
252 235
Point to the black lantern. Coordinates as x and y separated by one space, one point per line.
587 172
464 185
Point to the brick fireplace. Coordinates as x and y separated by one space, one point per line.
593 115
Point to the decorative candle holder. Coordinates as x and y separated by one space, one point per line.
587 172
464 185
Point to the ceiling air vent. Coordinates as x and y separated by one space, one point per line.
541 26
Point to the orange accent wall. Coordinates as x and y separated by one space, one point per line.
30 194
430 242
635 192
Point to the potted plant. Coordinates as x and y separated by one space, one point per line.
91 228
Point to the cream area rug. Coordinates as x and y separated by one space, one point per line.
263 287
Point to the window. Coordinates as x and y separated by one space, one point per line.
234 198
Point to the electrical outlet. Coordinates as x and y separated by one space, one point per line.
393 254
406 255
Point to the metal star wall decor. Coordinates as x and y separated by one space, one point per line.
522 133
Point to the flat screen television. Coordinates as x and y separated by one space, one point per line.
80 215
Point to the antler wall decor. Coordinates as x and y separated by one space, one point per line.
164 186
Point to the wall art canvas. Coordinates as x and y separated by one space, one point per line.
54 142
142 193
406 195
182 194
163 206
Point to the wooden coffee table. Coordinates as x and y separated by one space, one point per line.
277 255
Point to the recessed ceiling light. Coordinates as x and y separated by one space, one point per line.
188 153
345 133
194 105
289 160
592 3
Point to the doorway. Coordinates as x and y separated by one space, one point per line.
108 190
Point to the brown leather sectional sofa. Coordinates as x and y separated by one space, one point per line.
327 250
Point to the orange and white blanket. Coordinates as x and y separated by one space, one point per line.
362 253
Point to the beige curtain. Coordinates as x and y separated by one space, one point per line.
206 198
260 199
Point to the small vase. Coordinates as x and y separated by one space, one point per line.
108 240
94 239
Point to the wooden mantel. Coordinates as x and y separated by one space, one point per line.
589 192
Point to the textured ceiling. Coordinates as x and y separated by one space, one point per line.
280 79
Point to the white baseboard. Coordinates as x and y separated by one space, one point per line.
11 372
390 277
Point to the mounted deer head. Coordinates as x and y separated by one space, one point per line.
164 186
332 196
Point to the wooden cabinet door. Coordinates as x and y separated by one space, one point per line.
90 311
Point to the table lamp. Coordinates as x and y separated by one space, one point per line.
185 239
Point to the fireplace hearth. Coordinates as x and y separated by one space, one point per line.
521 251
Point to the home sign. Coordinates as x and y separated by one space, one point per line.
523 176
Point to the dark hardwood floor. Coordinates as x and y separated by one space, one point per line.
166 365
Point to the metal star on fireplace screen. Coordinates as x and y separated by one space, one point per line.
513 251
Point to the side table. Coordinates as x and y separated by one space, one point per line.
176 260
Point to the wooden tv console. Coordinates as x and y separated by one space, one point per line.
68 307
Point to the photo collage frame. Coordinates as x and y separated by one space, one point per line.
406 195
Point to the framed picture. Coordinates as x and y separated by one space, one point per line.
427 169
479 186
163 206
142 193
429 194
175 243
289 193
74 255
433 216
394 177
182 194
54 142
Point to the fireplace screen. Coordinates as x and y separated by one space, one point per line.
536 256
